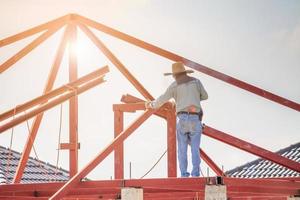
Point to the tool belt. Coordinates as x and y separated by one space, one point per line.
200 114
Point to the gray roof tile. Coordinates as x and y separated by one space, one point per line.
35 171
261 168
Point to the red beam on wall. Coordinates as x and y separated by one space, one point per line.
158 188
266 182
251 148
163 183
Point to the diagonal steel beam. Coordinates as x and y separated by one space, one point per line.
51 104
37 120
115 61
53 93
50 82
34 30
211 163
251 148
201 68
75 180
67 93
23 52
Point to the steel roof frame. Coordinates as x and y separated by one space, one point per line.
258 190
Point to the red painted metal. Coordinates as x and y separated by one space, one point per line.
43 107
170 188
161 112
43 99
265 197
171 141
132 99
211 163
69 146
171 136
38 119
103 154
251 148
116 62
4 66
189 63
34 30
130 107
51 104
73 102
264 182
119 150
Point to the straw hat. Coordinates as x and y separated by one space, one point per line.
177 68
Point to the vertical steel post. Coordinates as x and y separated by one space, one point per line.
171 126
73 104
119 150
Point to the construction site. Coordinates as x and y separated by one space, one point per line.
274 175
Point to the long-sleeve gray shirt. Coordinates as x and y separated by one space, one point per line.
185 94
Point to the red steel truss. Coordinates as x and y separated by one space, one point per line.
167 188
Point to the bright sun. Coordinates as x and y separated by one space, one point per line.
86 53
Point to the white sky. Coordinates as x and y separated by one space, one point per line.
254 41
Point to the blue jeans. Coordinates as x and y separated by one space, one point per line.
189 131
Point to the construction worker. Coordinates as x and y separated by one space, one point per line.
187 92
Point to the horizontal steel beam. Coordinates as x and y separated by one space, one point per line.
161 112
153 187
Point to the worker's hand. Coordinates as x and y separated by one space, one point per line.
148 104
